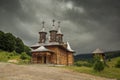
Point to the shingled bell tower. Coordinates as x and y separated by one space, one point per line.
53 33
59 34
42 34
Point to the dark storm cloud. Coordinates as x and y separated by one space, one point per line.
91 23
12 17
7 10
101 19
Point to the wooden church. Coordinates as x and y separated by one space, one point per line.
52 50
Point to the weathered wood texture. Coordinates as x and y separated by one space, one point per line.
59 56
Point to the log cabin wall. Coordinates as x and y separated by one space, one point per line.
42 38
54 55
70 58
62 56
59 56
34 57
42 57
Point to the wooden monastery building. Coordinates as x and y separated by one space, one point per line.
52 50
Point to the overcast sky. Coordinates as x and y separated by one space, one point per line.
86 24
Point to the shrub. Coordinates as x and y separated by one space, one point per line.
82 63
117 64
24 56
98 66
87 65
12 54
77 63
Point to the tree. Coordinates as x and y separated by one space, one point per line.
19 45
27 49
8 42
1 40
24 56
98 65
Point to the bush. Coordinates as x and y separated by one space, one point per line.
78 63
24 56
87 65
117 64
98 66
82 63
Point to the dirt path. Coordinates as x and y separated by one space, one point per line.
40 72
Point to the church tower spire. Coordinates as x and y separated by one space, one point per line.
53 33
42 34
59 34
59 29
43 27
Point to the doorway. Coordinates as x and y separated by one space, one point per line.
45 60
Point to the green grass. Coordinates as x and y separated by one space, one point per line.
108 72
5 56
113 62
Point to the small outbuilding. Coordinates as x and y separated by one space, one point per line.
100 53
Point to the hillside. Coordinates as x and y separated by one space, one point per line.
10 43
110 70
14 57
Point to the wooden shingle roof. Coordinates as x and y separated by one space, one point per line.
98 51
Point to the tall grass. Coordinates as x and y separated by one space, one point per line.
5 56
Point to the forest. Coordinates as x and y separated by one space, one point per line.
10 43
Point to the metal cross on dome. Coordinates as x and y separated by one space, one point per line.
53 22
43 23
58 23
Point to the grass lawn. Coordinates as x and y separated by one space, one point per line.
109 72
